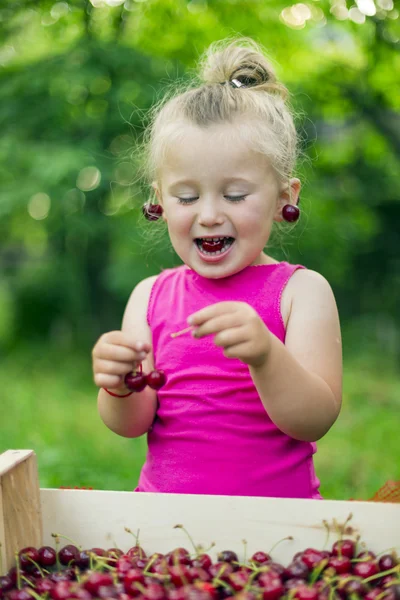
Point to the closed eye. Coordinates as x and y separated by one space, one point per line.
235 198
187 200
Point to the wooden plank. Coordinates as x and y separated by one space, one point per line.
98 518
20 505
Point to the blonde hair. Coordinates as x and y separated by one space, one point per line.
268 125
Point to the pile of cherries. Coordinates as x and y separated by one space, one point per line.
137 381
341 573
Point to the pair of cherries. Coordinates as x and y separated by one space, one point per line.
136 381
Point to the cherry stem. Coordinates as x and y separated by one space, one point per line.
149 563
218 581
245 550
27 581
328 532
36 565
140 587
57 543
18 566
282 540
59 535
196 549
395 569
316 572
35 595
135 535
182 331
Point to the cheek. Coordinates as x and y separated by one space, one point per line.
253 220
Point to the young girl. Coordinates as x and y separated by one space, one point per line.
254 378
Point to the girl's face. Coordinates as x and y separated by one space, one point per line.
219 199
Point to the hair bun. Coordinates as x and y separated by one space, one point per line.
242 59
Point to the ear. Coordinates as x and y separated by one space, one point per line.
289 194
157 191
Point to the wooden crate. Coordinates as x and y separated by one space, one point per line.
29 516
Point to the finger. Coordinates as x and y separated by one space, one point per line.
120 338
111 367
217 324
108 381
231 337
209 312
118 353
243 351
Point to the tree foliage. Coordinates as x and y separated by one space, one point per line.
76 81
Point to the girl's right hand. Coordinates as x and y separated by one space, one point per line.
114 355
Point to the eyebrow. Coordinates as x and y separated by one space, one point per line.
193 182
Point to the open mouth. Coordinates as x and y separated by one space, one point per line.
214 246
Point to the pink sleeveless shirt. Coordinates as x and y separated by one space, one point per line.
212 434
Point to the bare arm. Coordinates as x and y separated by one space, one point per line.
117 353
300 384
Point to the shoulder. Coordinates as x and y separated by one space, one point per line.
309 292
139 298
306 283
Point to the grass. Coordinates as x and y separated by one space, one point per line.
49 405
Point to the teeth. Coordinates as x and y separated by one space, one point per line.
227 242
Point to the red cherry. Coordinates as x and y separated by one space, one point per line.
341 564
295 582
98 551
43 586
180 575
152 212
26 556
271 586
344 548
156 379
136 551
68 554
239 579
296 569
132 577
386 562
47 556
306 592
22 594
221 569
6 584
260 558
203 561
312 557
290 213
154 591
365 569
199 574
96 580
83 560
61 591
135 381
227 556
355 588
179 556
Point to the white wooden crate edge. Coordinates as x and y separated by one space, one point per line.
98 518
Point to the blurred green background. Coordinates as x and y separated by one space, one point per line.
76 80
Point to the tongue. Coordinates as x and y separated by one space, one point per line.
212 246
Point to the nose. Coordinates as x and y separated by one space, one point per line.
210 212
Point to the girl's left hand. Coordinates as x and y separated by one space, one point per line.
239 331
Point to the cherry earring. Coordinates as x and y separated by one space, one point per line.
290 213
152 212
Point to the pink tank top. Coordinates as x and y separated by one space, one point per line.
212 434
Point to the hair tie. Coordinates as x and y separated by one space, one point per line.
236 83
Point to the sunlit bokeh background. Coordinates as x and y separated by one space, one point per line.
76 81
